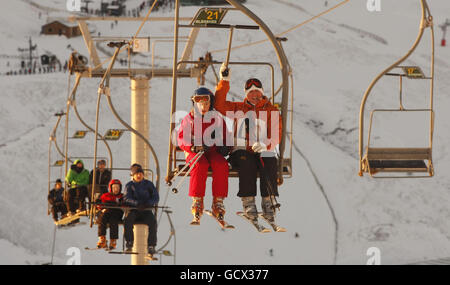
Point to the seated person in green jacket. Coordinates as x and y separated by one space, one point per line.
77 178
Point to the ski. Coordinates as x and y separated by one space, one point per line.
96 248
71 219
151 257
195 222
260 228
274 226
121 252
222 223
67 221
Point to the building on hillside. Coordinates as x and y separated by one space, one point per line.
60 27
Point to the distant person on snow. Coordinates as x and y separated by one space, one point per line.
254 154
111 216
77 178
55 198
213 155
141 194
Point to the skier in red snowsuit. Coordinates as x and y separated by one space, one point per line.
203 130
111 216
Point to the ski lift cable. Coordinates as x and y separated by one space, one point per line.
288 30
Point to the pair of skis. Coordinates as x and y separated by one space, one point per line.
260 228
224 225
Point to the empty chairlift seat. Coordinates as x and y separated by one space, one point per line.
398 160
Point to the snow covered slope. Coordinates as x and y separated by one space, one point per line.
337 214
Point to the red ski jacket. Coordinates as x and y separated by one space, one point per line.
110 199
187 132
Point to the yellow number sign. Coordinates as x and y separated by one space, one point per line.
79 134
413 72
113 134
207 16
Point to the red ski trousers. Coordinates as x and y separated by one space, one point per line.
199 174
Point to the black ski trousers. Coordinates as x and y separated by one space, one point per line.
77 199
59 207
113 217
140 217
248 165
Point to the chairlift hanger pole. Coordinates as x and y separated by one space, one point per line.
103 89
75 109
51 139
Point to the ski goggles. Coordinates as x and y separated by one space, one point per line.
200 98
253 82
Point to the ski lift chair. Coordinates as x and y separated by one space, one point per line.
394 159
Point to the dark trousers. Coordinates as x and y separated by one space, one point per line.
76 199
248 165
58 208
113 217
140 217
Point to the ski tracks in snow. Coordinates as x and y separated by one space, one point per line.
325 196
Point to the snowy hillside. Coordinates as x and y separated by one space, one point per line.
337 214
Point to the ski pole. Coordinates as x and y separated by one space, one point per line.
175 189
273 199
184 167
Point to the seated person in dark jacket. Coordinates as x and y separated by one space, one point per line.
142 194
56 200
102 178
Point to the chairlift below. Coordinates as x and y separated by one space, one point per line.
397 160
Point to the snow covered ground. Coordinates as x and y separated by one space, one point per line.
337 214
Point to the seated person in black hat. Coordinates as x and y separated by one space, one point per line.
142 194
56 200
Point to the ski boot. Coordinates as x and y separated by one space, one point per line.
268 211
129 246
250 210
197 210
102 243
151 251
218 208
112 244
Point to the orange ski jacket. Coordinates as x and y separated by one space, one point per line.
223 106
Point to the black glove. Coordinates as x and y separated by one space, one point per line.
224 72
224 150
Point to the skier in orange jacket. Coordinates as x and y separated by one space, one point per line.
254 150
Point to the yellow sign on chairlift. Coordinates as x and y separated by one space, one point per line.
58 163
413 72
141 45
207 16
113 134
79 134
